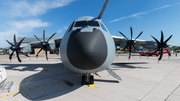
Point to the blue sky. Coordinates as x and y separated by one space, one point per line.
28 17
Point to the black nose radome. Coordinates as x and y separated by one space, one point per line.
87 50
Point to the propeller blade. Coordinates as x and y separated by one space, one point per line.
161 54
51 36
51 50
39 52
124 48
162 37
154 52
44 35
46 53
139 35
21 41
123 35
37 37
156 40
10 56
129 52
17 55
136 49
15 39
168 39
25 54
131 32
169 53
9 42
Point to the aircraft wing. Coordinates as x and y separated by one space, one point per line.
171 44
121 41
148 45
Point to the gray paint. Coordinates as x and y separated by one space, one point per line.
109 43
87 50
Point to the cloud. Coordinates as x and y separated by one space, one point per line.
165 6
21 16
137 15
26 8
6 35
65 27
28 25
20 28
59 31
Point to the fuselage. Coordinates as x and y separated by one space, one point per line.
87 46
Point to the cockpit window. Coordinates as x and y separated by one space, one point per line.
71 27
86 23
93 23
103 27
80 24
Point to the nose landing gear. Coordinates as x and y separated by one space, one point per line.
87 79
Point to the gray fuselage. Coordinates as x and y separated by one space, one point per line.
87 46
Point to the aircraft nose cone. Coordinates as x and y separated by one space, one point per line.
87 50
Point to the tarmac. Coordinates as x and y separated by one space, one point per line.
143 79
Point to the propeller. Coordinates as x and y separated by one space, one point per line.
44 44
161 45
16 48
169 53
131 42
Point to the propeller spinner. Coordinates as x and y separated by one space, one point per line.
44 44
16 48
161 45
130 42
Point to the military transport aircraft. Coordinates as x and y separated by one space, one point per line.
87 46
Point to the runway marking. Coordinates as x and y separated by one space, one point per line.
160 83
172 93
39 85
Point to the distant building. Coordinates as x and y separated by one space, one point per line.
3 51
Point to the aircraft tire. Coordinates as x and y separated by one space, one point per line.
91 79
83 81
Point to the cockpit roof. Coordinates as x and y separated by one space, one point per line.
86 18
